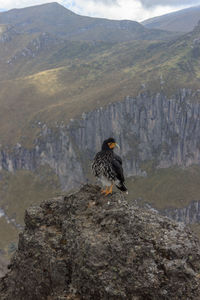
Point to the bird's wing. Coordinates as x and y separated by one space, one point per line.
118 158
117 167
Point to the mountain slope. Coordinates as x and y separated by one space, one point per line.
57 20
72 83
38 38
49 83
181 21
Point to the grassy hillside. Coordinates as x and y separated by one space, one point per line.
92 77
167 188
9 238
57 20
45 77
18 192
180 21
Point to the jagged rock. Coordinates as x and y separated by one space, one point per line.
148 128
88 246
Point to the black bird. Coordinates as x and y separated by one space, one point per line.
107 166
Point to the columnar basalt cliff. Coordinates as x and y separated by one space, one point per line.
188 215
88 246
154 128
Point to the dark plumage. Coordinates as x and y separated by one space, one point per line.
107 166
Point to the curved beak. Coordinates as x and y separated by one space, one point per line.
117 145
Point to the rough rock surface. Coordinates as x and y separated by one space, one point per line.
147 128
88 246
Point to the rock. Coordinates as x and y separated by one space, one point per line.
88 246
148 128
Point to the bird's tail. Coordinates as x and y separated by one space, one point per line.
121 186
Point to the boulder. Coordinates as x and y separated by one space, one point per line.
89 246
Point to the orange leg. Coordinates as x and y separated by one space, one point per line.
109 191
104 191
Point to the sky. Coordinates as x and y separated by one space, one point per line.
137 10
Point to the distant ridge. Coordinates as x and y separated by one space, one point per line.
180 21
56 19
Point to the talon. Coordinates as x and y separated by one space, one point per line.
104 191
109 191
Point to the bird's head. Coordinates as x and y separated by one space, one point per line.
109 144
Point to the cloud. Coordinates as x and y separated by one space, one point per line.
107 2
112 9
145 3
153 3
137 10
9 4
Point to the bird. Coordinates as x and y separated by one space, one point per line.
107 167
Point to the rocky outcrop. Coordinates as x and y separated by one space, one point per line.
88 246
148 128
43 42
7 33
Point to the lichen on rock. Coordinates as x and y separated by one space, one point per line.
88 246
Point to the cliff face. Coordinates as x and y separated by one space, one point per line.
188 215
88 246
148 128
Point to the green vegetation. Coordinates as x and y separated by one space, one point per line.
61 64
167 188
107 73
9 237
70 77
180 21
61 22
196 229
20 190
